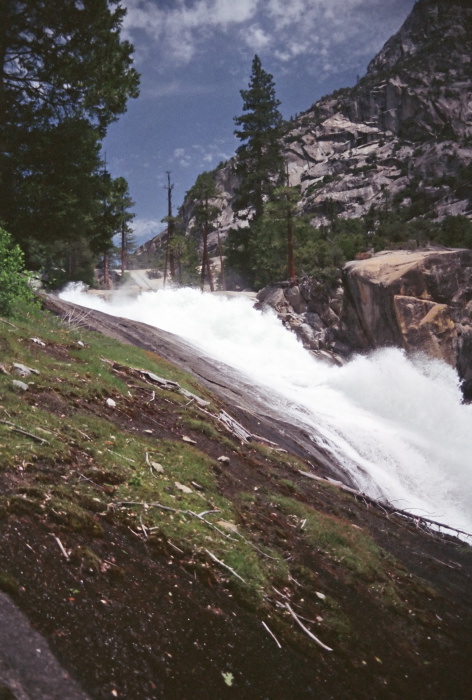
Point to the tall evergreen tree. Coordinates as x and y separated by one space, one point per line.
204 192
259 161
259 164
65 75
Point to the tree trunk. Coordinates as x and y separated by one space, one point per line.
106 271
291 263
170 230
223 281
204 258
123 248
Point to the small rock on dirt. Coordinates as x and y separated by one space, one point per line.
20 385
183 488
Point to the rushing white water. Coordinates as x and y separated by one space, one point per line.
396 424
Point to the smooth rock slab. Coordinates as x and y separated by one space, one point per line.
27 666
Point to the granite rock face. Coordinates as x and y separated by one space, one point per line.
406 125
407 122
312 311
420 301
405 128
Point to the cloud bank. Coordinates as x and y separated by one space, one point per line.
287 33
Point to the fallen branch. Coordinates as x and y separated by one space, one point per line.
175 547
199 516
143 527
21 431
61 547
272 635
84 435
147 505
8 323
235 573
205 512
332 482
121 456
234 427
274 445
152 378
76 318
386 507
306 630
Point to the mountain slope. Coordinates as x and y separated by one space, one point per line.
402 137
407 125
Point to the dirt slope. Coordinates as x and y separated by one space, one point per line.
149 599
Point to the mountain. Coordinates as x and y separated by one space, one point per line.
403 134
402 137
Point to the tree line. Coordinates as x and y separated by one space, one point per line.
65 76
275 240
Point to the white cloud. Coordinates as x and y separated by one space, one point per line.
177 88
145 229
181 28
256 38
182 157
200 157
284 31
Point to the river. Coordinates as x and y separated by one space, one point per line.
396 424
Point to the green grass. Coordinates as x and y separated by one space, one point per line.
83 472
338 539
85 452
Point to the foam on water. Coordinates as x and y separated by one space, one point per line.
396 424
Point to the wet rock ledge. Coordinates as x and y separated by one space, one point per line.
416 300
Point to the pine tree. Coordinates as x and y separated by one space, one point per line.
277 248
204 192
259 162
65 75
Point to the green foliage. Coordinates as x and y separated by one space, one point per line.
14 284
259 158
263 248
454 232
337 539
64 77
186 258
204 193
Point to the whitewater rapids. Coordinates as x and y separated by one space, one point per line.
397 425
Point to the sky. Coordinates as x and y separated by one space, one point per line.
194 57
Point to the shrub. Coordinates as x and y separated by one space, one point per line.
14 282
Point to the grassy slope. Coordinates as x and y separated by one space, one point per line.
139 606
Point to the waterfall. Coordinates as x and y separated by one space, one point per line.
396 424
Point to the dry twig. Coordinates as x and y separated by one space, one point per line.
21 431
235 573
121 456
272 635
61 547
8 323
305 629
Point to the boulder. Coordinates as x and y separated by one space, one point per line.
417 300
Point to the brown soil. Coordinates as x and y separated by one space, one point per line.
147 620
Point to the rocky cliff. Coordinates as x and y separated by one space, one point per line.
416 300
405 128
402 135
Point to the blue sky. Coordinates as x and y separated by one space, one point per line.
195 56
